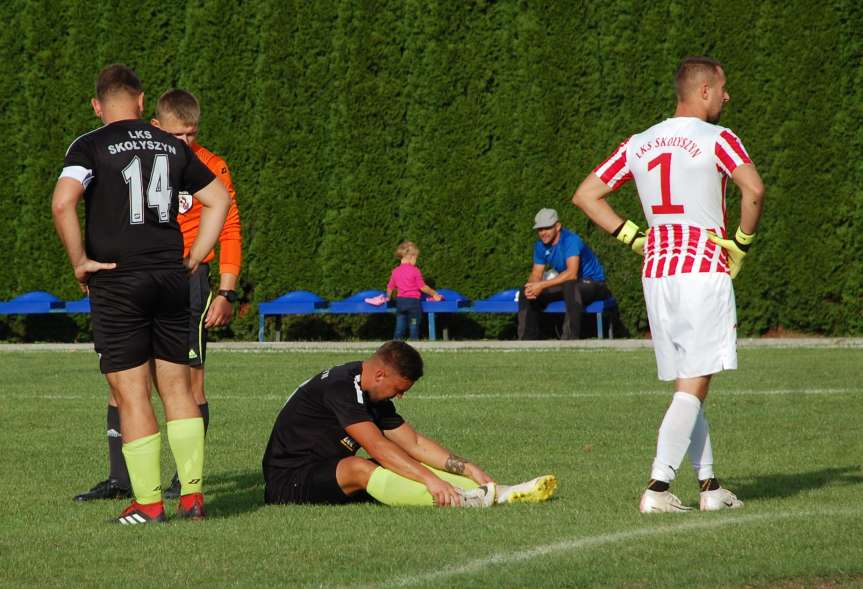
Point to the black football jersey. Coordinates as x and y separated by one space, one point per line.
311 426
132 173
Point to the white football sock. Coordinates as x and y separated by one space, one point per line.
700 451
674 435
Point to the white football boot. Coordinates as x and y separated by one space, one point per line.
482 496
534 491
720 498
661 502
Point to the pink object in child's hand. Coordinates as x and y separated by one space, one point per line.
376 301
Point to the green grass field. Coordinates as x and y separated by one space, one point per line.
786 434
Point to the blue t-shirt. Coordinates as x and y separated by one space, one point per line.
569 245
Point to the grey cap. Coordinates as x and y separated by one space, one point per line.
545 218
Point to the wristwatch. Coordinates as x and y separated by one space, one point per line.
231 295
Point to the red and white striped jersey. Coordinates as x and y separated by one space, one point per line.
680 167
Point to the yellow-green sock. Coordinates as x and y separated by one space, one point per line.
454 479
142 461
186 437
392 489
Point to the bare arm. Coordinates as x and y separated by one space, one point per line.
533 289
752 200
215 201
536 273
432 293
393 457
221 309
590 198
64 210
427 451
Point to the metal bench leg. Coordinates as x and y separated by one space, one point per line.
261 324
599 333
432 328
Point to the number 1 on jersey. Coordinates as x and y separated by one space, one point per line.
666 208
158 189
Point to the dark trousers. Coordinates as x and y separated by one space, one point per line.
577 294
408 318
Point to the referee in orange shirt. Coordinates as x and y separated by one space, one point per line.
178 113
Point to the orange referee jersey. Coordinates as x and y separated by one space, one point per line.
230 240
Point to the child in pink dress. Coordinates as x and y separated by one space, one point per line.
408 281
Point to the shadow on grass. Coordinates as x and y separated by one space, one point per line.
234 493
778 486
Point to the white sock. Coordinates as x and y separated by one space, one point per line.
700 451
674 435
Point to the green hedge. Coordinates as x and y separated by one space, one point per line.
351 125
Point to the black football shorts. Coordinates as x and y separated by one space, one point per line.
138 315
200 298
315 483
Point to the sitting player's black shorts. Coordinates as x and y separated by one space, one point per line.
138 315
200 298
315 483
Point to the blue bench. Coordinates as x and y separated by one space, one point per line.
303 302
506 301
39 302
297 302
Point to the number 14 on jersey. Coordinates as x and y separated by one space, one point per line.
158 189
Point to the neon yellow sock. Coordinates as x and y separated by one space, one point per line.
454 479
142 461
186 437
392 489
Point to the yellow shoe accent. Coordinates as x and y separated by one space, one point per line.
534 491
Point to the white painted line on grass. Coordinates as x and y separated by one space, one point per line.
588 542
498 396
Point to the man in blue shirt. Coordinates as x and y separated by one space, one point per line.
563 268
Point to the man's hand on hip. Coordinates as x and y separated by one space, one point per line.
737 249
85 267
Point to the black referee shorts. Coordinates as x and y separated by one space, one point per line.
200 298
138 315
315 483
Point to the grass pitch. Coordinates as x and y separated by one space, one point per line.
786 434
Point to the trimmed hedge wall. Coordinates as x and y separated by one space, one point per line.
351 125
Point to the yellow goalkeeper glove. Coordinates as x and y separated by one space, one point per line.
631 235
736 248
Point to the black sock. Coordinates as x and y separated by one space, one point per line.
709 484
116 460
205 413
658 486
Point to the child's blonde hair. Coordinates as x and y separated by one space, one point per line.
407 248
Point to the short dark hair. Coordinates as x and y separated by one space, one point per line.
690 69
181 104
403 358
117 78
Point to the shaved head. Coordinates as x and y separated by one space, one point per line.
694 71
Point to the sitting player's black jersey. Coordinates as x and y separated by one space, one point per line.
311 426
132 173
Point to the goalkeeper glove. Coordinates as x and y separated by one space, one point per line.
631 235
736 248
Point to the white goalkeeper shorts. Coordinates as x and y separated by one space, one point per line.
693 322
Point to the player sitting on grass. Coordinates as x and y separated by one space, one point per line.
311 455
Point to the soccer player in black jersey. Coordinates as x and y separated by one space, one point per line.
311 455
131 264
